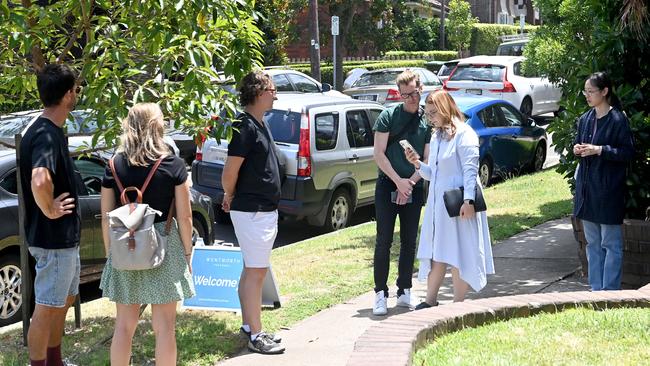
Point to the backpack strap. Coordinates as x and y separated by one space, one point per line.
140 192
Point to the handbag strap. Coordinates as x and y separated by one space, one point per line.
120 186
398 136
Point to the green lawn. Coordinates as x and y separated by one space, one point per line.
573 337
312 275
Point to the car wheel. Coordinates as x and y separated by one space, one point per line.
199 230
526 107
10 291
485 172
539 158
221 216
339 211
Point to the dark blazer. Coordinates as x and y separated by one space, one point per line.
600 179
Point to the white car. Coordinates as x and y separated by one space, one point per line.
500 77
291 81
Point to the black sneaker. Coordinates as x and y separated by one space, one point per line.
274 337
264 344
425 305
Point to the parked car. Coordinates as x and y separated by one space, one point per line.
501 77
513 47
379 85
291 81
446 69
327 149
91 171
509 142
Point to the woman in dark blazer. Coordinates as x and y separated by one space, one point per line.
604 146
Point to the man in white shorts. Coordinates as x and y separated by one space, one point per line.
251 185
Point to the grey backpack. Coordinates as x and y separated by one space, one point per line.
134 242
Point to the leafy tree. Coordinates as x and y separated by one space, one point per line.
580 37
275 17
415 33
459 24
131 51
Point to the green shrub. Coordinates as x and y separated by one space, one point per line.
327 72
486 37
431 55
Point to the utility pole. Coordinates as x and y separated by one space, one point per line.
442 24
314 55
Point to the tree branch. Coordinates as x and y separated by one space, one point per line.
38 61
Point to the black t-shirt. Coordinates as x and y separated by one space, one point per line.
45 146
258 185
159 193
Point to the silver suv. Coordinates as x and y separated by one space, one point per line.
326 145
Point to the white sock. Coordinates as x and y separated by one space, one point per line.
246 327
254 336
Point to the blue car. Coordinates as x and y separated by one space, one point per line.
509 142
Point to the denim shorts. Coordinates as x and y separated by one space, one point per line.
57 275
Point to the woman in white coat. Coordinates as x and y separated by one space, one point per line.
461 242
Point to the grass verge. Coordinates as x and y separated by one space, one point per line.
573 337
312 275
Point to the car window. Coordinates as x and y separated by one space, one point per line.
92 173
285 126
9 127
9 183
492 117
359 131
303 84
376 78
511 115
282 84
81 122
326 129
374 114
429 78
493 73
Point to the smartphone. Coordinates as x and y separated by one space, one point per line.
406 145
393 197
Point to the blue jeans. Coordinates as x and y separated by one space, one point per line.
604 254
409 217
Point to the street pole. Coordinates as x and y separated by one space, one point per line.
314 55
335 38
442 24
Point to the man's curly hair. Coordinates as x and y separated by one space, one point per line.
252 85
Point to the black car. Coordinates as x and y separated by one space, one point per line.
91 171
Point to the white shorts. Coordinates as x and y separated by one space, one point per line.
256 232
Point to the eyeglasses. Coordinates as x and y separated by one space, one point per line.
590 92
272 90
415 93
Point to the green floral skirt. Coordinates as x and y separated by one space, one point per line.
170 282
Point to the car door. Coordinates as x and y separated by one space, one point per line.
523 141
360 155
327 149
533 86
499 138
90 173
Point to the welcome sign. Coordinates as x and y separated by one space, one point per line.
216 271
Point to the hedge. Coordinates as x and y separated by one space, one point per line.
433 55
486 37
327 72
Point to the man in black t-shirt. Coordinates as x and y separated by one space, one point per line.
251 185
52 220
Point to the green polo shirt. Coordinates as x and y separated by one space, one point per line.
392 120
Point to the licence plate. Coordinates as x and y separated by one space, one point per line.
366 97
474 91
218 156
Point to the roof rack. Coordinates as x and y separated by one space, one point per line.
515 37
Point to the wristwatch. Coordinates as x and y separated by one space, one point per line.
471 202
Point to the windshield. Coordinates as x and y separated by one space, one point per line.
490 73
376 78
285 125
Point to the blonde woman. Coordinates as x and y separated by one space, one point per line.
460 242
141 145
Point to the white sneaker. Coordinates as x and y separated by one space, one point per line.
405 299
380 307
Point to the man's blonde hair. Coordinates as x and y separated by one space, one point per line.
142 134
406 77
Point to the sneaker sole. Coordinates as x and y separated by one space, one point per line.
275 352
379 313
404 305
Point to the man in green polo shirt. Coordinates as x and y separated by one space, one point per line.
399 189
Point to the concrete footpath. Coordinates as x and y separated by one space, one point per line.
542 259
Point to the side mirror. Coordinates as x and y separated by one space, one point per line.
326 87
531 122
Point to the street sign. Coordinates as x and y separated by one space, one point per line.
215 271
335 25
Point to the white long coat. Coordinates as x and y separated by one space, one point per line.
461 243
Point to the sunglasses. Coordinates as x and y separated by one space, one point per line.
78 89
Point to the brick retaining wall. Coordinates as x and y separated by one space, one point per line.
394 340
